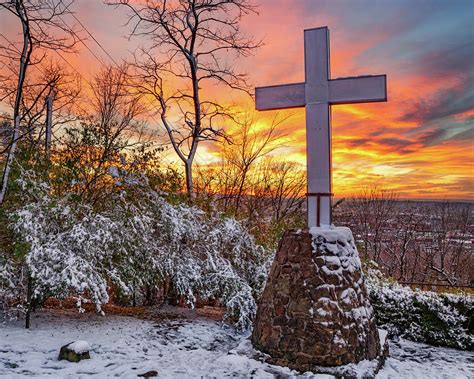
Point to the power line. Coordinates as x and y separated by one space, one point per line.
96 57
82 41
42 72
74 68
111 58
103 64
90 34
108 54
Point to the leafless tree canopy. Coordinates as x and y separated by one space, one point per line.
191 45
49 79
115 106
102 140
43 29
250 184
414 242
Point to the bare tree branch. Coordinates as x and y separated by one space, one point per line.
191 44
42 29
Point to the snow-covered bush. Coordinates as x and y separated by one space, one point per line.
7 283
70 249
137 239
436 318
6 274
12 287
197 255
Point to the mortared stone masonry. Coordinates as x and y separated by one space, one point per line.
315 309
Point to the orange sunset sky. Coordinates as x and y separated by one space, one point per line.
420 143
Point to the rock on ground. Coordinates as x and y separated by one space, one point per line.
75 351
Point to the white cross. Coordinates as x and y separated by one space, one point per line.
317 94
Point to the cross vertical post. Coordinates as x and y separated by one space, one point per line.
318 126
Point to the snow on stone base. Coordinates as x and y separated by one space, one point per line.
340 244
364 369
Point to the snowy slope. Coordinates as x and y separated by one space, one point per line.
192 347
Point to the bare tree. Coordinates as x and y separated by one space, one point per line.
286 191
49 81
229 180
104 138
115 106
373 211
5 131
190 46
250 184
451 225
420 243
248 146
42 29
275 200
402 243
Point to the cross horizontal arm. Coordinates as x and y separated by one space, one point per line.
280 97
362 89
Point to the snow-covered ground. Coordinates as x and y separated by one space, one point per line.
184 347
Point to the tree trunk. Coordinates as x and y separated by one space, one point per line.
29 302
9 160
241 189
134 295
188 167
24 61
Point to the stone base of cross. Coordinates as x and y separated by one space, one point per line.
317 94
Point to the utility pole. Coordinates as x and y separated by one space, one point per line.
49 123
